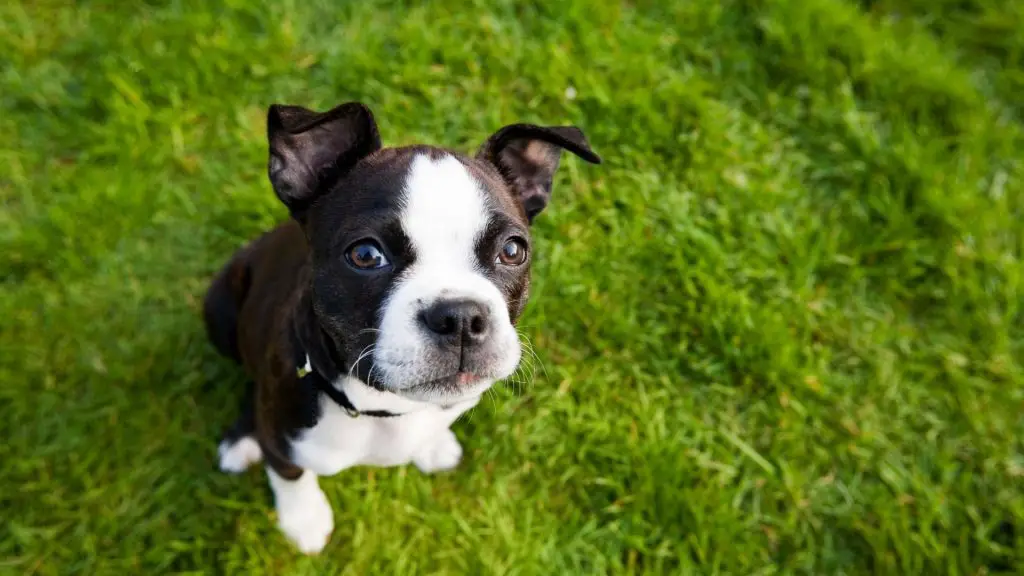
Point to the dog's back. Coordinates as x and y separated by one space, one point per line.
267 263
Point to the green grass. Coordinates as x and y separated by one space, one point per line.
780 329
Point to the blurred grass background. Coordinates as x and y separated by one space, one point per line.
780 329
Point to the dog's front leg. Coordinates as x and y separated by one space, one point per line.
303 512
441 453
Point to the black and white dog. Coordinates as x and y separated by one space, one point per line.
384 307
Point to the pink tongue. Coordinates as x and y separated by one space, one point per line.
465 378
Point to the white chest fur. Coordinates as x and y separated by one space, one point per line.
420 435
339 441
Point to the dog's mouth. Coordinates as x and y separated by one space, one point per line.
386 372
448 384
451 383
429 375
454 386
447 389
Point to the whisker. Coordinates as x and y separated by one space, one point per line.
369 375
529 368
492 395
532 351
526 372
363 354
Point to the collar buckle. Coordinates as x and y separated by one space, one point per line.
303 371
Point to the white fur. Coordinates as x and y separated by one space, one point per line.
445 213
339 441
444 453
303 512
237 456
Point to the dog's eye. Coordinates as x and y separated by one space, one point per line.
513 253
366 255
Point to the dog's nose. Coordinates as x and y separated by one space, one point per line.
455 321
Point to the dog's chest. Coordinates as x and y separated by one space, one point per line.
339 441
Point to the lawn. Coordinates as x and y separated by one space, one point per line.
779 330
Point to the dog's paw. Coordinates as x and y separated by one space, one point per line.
444 453
238 456
307 520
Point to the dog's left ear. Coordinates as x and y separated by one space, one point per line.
309 150
527 157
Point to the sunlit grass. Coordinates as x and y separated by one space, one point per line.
779 330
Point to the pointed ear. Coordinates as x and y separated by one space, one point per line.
527 157
309 150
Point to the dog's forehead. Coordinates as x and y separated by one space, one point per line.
396 165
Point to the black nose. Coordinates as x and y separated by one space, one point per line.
457 321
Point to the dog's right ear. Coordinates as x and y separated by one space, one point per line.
309 150
527 156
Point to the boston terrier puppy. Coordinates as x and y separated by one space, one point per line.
384 307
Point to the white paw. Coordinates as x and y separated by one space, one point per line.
303 512
444 453
308 525
237 456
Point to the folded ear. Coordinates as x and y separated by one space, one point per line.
309 150
527 157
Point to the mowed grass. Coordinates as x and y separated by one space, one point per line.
779 331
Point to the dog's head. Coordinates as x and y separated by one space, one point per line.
420 255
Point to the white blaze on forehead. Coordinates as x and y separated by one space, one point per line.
444 212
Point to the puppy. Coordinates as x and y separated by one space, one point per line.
384 307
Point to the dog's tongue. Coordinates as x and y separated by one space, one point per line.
465 378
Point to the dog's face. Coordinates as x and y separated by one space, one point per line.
421 256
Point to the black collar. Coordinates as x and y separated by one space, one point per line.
315 365
308 374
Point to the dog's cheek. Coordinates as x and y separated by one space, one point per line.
351 306
516 295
